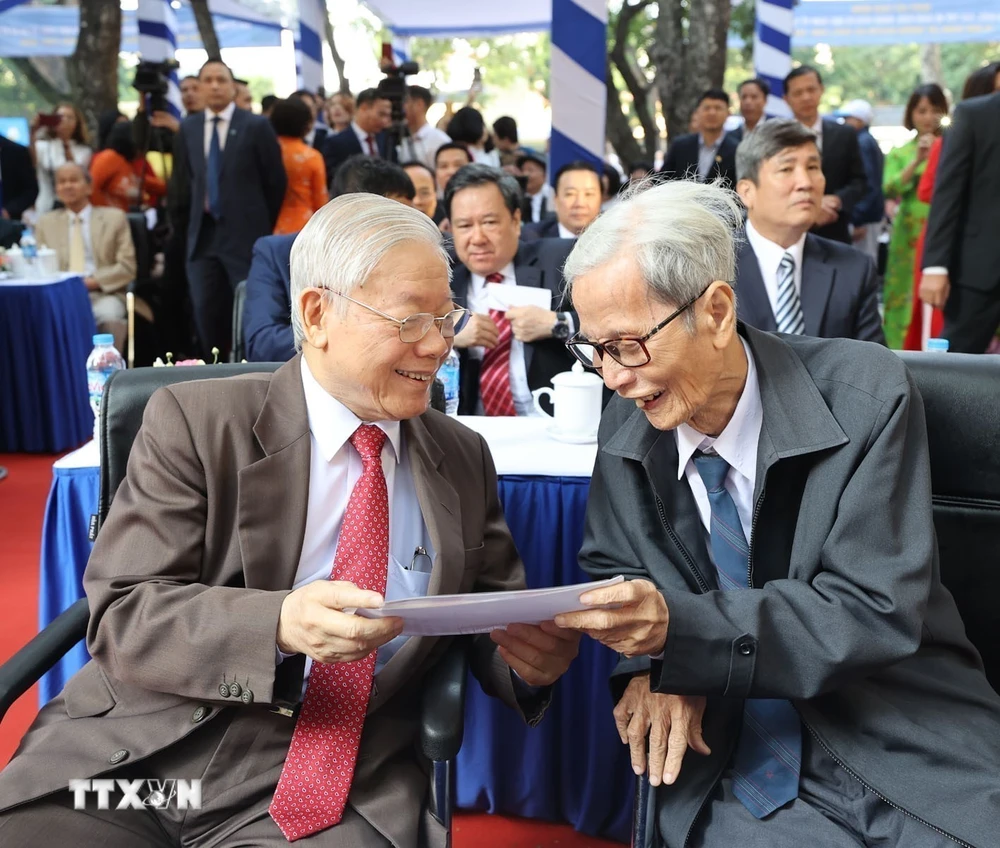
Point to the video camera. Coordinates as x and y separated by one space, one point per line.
153 79
393 88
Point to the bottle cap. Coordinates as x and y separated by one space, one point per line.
104 339
939 345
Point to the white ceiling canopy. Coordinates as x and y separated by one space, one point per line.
436 19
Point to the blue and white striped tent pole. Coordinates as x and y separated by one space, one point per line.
158 41
400 50
577 82
309 45
772 50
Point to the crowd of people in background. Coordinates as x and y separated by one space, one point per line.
224 176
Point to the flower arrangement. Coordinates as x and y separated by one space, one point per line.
159 363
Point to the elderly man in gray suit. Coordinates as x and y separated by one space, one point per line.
257 514
789 279
770 499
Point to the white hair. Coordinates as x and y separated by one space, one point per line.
682 234
344 241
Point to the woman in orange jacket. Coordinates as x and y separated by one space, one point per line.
304 166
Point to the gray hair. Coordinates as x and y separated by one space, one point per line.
681 233
85 172
474 175
343 242
766 141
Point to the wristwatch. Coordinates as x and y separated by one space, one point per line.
561 329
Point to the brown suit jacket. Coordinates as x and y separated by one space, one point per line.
187 578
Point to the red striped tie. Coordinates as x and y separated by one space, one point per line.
494 375
316 779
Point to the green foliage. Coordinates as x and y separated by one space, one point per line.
18 98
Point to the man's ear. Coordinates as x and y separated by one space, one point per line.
313 305
747 191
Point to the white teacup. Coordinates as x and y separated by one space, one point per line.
576 398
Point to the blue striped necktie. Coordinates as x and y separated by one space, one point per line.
788 313
769 753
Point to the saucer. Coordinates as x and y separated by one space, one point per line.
571 438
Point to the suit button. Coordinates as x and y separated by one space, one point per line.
235 689
247 697
199 714
118 757
746 648
224 690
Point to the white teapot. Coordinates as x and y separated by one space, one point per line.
576 397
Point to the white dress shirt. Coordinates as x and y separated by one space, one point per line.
477 301
425 143
769 255
818 129
334 467
544 193
84 216
564 233
370 150
737 444
226 120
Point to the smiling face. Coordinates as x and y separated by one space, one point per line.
789 189
691 377
358 357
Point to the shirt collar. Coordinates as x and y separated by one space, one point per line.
84 214
361 134
769 254
332 424
715 146
567 234
507 271
737 443
226 114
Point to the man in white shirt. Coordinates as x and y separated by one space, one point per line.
259 513
577 202
789 279
505 353
424 140
94 242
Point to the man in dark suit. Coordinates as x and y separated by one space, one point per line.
753 94
789 279
229 177
537 204
18 184
267 310
505 353
843 167
221 650
577 203
708 154
366 134
768 499
962 249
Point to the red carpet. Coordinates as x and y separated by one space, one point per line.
22 506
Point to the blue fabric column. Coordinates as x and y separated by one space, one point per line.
772 50
309 45
577 81
158 41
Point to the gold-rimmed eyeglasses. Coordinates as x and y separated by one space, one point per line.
414 327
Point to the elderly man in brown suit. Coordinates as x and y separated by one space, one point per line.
221 651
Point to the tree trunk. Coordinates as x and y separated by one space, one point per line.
206 29
621 55
47 75
930 64
618 129
93 67
689 55
338 60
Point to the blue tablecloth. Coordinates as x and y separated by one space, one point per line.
46 335
572 767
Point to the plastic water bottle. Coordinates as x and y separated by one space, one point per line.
103 361
448 374
29 252
937 345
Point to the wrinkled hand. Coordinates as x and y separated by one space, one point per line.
531 323
165 120
934 289
312 622
637 627
672 722
479 332
539 653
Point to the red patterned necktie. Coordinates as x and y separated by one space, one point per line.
316 779
494 375
372 147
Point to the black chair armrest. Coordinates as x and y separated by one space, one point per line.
22 670
643 814
442 709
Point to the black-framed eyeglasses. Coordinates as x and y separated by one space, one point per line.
414 327
629 351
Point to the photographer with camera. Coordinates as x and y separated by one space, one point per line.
56 139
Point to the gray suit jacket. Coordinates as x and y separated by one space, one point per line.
198 553
839 292
847 616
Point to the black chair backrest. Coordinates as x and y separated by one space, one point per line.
123 403
143 254
239 298
961 395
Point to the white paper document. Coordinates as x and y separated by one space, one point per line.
499 296
480 612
